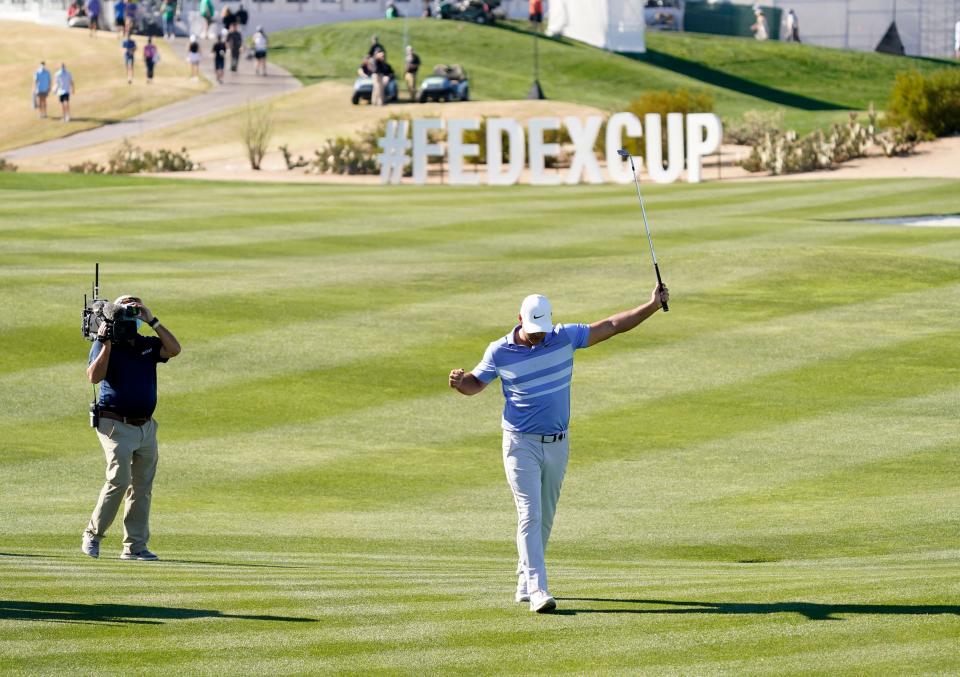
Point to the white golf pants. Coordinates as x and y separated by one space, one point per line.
535 472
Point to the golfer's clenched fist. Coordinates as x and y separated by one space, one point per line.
660 295
456 378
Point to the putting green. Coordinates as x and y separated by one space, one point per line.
762 480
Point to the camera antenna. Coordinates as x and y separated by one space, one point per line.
96 281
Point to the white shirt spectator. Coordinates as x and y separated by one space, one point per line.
63 81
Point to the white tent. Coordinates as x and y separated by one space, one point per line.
615 25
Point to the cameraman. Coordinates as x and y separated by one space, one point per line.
127 374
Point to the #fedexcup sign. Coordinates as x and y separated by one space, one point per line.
703 134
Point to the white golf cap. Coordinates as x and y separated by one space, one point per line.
123 298
536 314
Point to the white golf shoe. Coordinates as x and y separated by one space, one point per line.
542 602
90 546
522 594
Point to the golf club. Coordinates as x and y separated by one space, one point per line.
624 153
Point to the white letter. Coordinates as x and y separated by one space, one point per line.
583 138
421 149
617 168
697 146
655 149
539 150
495 128
457 149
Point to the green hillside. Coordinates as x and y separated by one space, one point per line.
812 85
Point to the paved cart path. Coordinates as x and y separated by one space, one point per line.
238 89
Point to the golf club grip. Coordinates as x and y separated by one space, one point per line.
656 268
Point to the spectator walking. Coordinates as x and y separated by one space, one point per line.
118 21
129 17
41 89
793 27
63 81
260 50
235 44
392 11
169 19
759 27
219 55
410 73
151 55
207 13
227 18
93 14
536 14
129 54
193 58
242 17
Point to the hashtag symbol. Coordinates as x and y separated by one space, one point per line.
395 145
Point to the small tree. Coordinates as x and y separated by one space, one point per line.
257 129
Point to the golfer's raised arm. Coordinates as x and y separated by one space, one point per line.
465 383
628 319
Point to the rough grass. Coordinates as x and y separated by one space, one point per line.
762 480
103 95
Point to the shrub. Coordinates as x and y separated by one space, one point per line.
930 103
753 127
130 159
7 166
343 155
663 102
257 128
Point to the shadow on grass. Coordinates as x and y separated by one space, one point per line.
812 611
712 76
119 613
239 565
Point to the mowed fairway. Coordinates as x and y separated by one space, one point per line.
763 480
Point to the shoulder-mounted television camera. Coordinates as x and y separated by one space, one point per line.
120 320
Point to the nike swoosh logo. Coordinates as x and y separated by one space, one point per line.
537 317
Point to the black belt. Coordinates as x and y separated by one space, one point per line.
129 420
545 439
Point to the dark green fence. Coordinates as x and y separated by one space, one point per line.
727 19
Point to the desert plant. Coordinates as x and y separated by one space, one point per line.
130 159
752 127
930 103
257 128
288 158
343 155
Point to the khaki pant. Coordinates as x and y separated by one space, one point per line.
131 453
535 471
376 97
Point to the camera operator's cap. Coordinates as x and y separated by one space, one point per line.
126 298
536 314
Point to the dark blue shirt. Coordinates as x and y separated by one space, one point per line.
130 387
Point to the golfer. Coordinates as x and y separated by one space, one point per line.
535 365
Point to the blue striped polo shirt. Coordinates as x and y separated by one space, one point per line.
536 380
